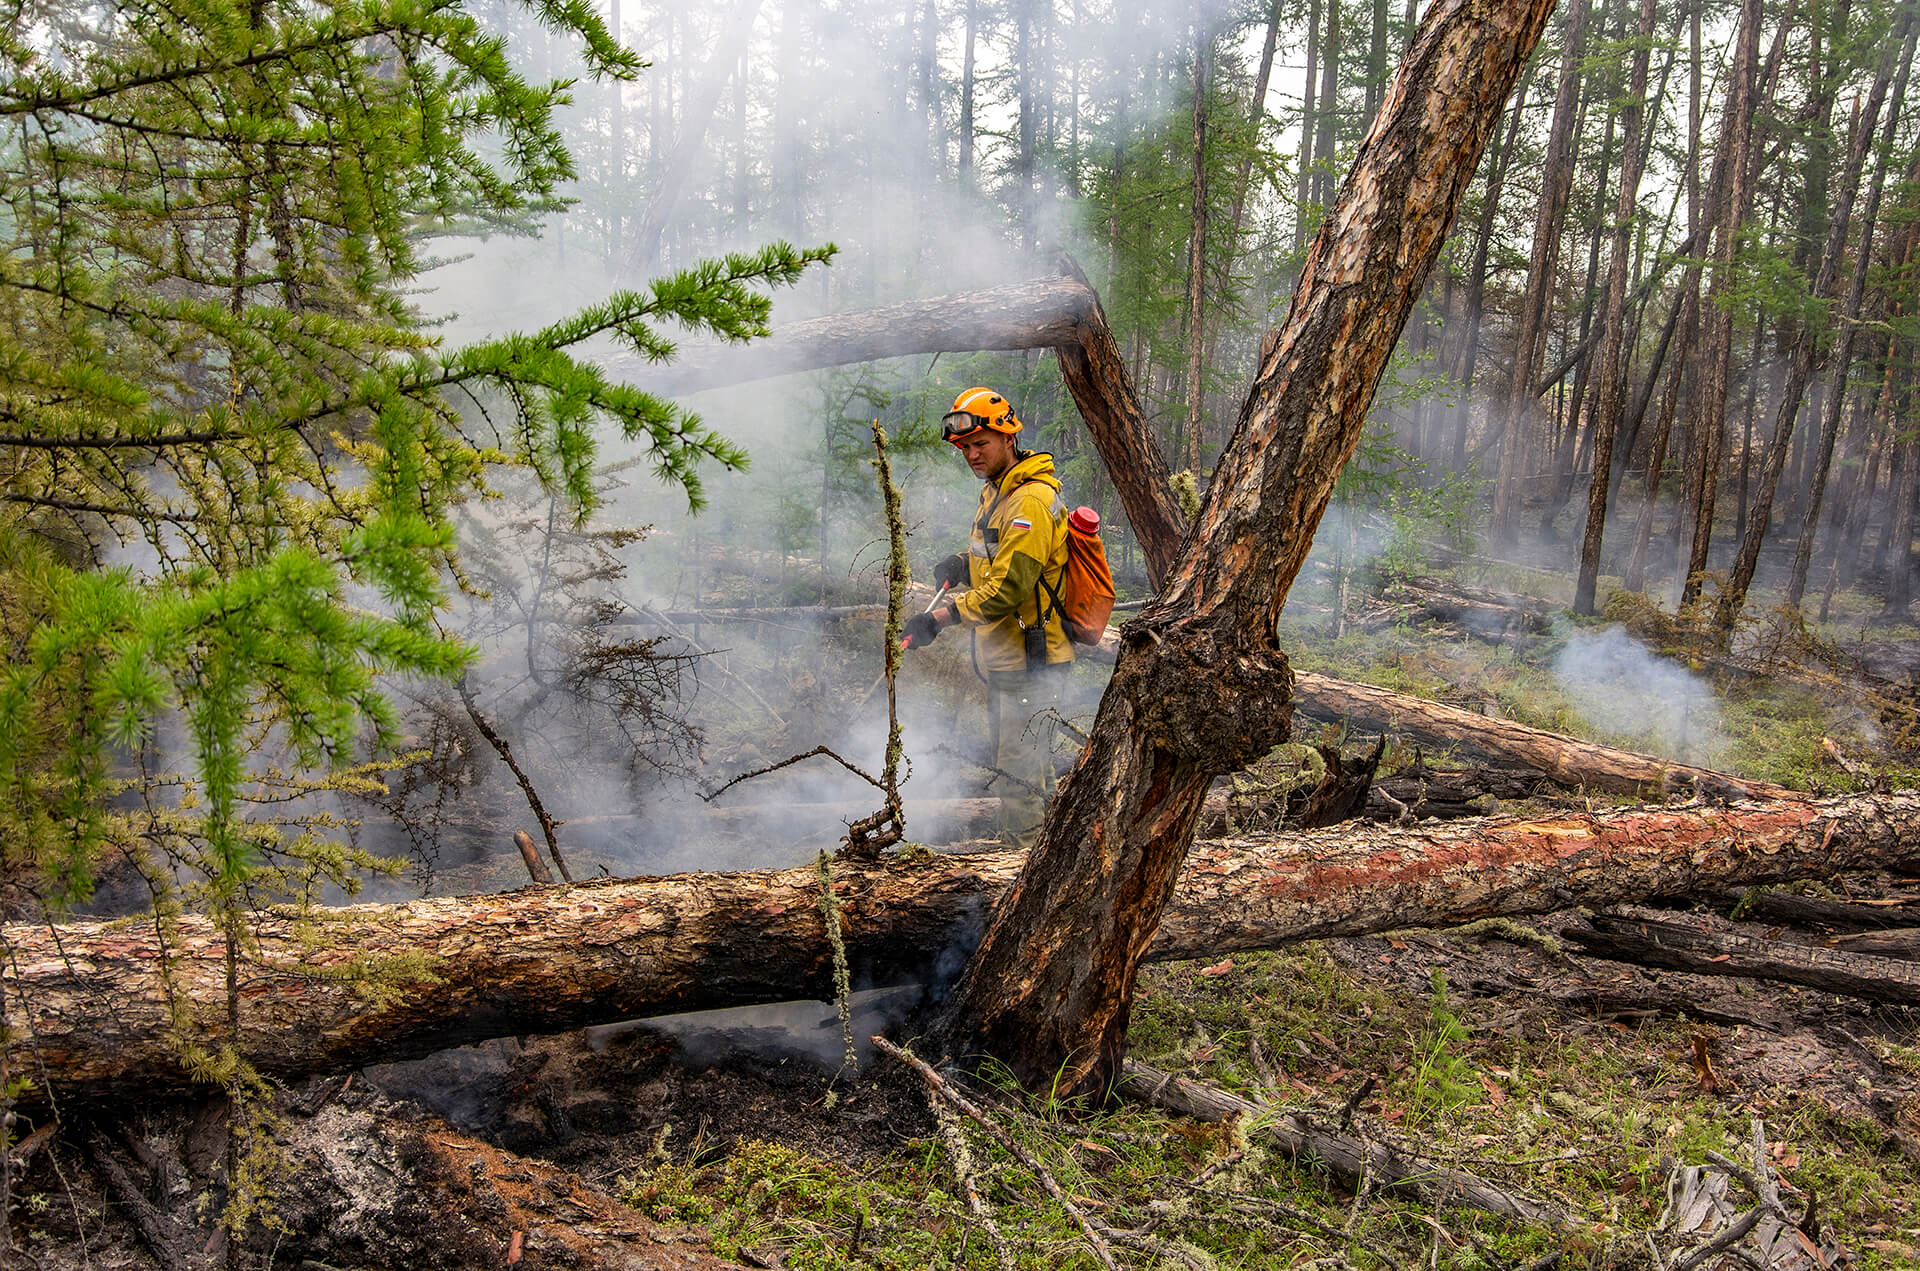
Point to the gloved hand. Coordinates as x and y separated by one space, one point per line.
920 630
951 572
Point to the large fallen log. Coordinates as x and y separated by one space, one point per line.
89 1001
1564 760
1655 942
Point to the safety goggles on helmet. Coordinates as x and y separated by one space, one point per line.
958 424
975 409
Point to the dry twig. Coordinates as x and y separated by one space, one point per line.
938 1088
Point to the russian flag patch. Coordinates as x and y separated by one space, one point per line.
1021 523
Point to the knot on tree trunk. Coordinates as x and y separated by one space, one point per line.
1207 696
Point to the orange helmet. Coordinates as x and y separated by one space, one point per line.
975 409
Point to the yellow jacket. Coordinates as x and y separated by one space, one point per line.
1019 536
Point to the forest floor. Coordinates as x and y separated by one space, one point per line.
1579 1083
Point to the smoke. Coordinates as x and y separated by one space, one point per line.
808 1031
1622 688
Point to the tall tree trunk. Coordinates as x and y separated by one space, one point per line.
1710 406
1201 685
966 96
1733 597
1197 256
1026 125
1530 344
1377 58
1613 372
690 136
1309 121
1467 359
1575 443
1326 142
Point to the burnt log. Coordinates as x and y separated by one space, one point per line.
1565 761
1655 942
1340 793
1897 942
94 1003
1832 915
1490 615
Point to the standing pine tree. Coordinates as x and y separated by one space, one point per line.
231 450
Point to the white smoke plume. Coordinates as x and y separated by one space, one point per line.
1620 686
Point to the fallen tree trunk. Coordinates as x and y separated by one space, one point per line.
1898 942
1352 1157
1564 760
1061 313
90 1000
1834 915
1652 942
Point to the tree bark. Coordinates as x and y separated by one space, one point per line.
90 1000
1201 686
1651 942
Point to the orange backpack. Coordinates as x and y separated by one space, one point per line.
1085 597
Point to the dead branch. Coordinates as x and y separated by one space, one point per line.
505 751
536 868
788 762
938 1087
1349 1156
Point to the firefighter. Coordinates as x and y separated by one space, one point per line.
1003 589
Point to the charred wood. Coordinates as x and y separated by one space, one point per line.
1899 942
1820 912
93 1001
1654 942
1340 793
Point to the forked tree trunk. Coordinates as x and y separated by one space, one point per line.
1201 686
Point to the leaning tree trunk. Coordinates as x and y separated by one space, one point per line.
90 1002
1201 686
1061 313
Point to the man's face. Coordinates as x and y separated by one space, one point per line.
988 453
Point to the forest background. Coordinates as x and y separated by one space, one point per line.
350 515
